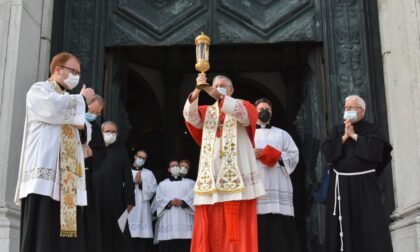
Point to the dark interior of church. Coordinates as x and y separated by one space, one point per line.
157 80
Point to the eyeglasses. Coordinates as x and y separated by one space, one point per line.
72 70
351 108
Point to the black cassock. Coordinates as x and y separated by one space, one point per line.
364 224
40 227
92 164
115 192
40 224
179 245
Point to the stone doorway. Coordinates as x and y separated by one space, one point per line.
149 85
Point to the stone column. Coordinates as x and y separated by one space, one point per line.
25 28
400 38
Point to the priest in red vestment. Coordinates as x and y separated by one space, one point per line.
228 181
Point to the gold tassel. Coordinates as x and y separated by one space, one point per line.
68 234
79 170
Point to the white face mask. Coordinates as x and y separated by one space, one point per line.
184 170
109 138
175 171
351 115
139 162
222 90
72 81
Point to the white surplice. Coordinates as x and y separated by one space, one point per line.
246 159
176 222
277 182
46 112
140 217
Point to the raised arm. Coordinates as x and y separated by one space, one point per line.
45 105
238 109
191 110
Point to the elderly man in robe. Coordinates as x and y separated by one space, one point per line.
359 151
115 190
228 180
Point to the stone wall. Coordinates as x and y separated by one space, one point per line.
25 35
400 39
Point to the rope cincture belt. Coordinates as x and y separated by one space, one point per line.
337 196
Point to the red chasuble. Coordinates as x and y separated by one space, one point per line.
226 226
252 115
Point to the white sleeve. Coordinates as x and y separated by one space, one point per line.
191 114
235 107
50 107
160 202
290 153
188 197
148 186
88 136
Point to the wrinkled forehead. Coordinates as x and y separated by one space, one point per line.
351 102
220 82
109 127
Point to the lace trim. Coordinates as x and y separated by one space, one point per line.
39 173
71 110
192 115
251 178
239 111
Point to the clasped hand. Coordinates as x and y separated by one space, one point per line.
348 131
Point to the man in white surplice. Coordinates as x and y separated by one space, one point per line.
174 208
276 226
51 182
140 217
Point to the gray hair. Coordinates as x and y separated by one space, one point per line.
99 99
359 100
109 123
224 78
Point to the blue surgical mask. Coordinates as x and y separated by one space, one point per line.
139 162
351 115
222 90
90 117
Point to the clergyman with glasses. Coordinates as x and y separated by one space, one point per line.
51 188
358 151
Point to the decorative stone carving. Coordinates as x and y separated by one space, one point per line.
162 22
345 42
310 127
